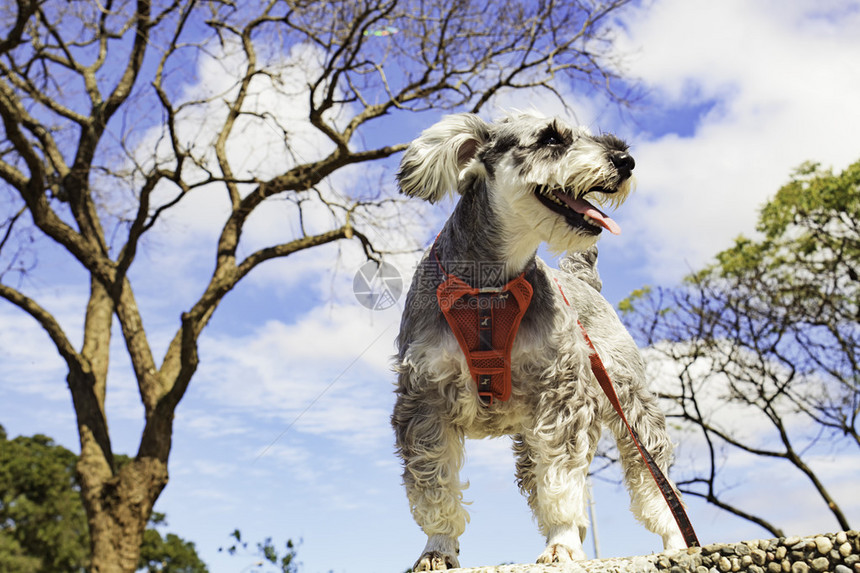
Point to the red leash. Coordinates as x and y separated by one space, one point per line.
672 499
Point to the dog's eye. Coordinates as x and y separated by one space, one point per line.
550 137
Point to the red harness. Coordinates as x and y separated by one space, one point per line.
485 322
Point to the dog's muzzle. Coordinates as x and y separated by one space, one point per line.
579 213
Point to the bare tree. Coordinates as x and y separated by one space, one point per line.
84 85
760 350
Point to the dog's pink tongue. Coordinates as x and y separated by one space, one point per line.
583 207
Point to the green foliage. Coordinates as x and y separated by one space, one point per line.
812 200
805 268
41 515
169 554
13 558
266 553
812 222
628 305
43 526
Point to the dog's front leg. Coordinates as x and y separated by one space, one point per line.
432 453
552 467
647 503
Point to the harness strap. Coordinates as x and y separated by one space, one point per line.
666 489
485 323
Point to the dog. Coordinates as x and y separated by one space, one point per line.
523 182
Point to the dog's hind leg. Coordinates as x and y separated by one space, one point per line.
432 454
552 468
647 503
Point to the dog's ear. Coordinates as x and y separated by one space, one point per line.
432 164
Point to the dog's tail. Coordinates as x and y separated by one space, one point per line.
582 265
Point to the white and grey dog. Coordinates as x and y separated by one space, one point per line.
522 182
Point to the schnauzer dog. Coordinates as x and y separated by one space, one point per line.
522 181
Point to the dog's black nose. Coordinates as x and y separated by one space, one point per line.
623 162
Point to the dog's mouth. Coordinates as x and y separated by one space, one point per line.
577 212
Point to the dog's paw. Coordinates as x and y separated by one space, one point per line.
674 541
560 553
436 561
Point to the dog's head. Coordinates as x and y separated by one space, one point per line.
543 176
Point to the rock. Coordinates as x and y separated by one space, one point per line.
759 557
820 564
841 537
823 545
842 569
799 567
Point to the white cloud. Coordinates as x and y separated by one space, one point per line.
780 79
327 373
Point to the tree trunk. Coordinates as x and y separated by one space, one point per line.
118 509
118 498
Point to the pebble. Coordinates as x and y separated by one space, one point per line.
823 545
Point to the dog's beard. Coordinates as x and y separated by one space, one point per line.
527 216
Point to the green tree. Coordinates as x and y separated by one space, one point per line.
43 526
40 505
168 554
103 138
768 336
13 558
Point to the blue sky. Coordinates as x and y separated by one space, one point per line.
284 430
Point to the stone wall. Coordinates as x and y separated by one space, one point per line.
836 552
